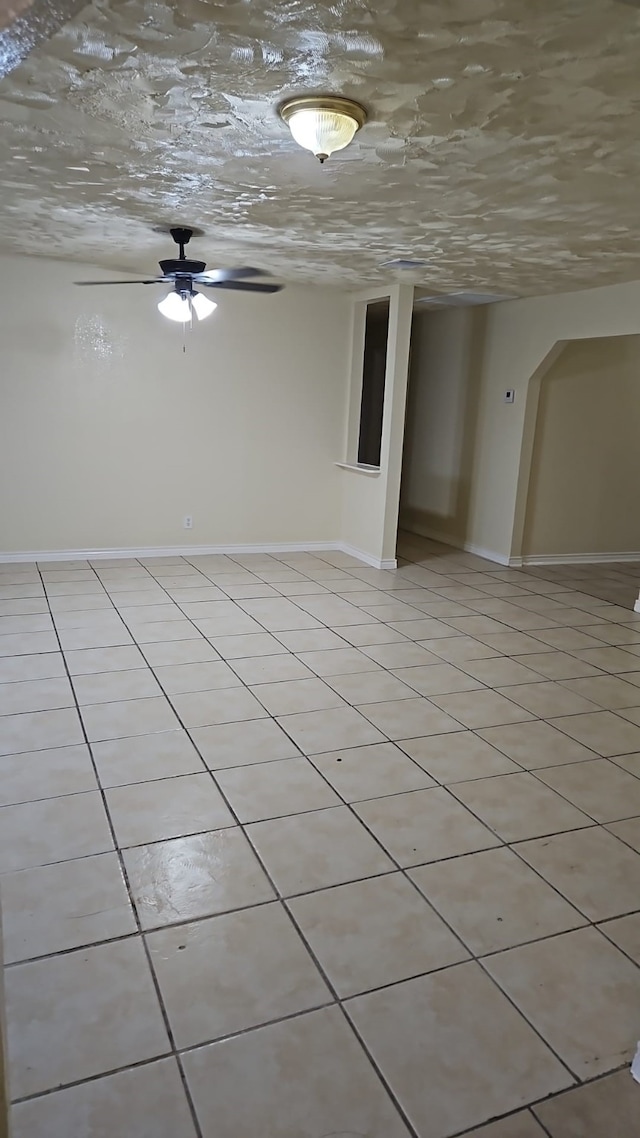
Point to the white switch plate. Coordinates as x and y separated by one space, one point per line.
509 396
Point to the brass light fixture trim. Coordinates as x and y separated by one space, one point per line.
322 123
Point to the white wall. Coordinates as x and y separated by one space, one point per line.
443 380
109 434
522 338
585 471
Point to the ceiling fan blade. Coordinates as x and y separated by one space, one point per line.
215 275
157 280
241 286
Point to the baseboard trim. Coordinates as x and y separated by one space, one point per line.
195 551
457 543
368 558
575 558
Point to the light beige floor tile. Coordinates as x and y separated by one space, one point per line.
437 679
629 763
86 661
628 831
41 695
272 790
236 647
291 696
374 932
556 665
371 687
547 699
424 825
146 757
27 622
520 644
610 659
371 772
76 639
607 1106
457 757
407 654
485 708
39 730
331 847
134 615
107 687
625 933
89 618
615 634
147 1101
579 992
179 678
451 1070
208 708
175 652
598 787
232 972
494 901
408 718
188 878
331 730
535 744
517 806
591 868
26 643
54 1006
171 808
312 640
426 629
161 631
567 639
456 649
361 635
500 670
53 829
520 1125
128 717
609 692
57 907
49 665
271 669
234 744
45 774
632 714
602 731
332 1089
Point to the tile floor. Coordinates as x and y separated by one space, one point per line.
292 847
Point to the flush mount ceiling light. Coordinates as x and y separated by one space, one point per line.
323 124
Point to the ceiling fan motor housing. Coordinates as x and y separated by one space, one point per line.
183 267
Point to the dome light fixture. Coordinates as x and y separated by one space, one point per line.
323 123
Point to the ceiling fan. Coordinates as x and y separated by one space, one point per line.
183 274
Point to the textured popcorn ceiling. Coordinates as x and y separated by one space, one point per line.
503 143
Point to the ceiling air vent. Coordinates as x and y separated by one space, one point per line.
461 299
404 264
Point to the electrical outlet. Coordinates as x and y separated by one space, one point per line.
187 521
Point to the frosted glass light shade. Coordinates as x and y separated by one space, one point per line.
202 306
323 125
175 307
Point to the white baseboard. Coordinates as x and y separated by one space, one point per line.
636 607
457 543
574 558
194 551
368 558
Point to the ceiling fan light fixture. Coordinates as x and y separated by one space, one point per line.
175 307
202 306
323 124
